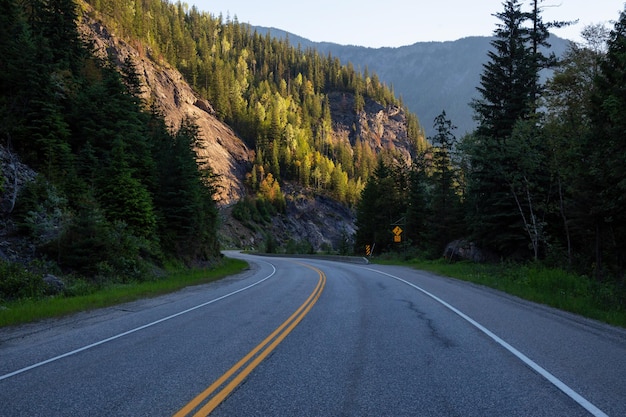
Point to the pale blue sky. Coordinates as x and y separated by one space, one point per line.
377 23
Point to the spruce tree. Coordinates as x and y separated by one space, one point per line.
508 93
383 202
607 156
446 219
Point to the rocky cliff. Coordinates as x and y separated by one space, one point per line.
383 127
164 86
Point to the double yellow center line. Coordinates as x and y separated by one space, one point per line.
210 398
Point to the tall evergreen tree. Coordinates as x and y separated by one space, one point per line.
383 202
418 210
507 78
446 218
608 154
568 132
508 93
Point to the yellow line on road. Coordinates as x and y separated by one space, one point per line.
253 358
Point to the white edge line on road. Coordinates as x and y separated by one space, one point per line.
73 352
595 411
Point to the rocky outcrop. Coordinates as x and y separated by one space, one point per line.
382 127
14 175
163 85
316 220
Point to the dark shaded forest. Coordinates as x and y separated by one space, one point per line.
117 190
541 179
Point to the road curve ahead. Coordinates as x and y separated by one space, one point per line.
305 337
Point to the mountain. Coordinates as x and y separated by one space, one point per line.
428 76
311 214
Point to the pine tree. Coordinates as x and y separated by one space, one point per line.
383 202
418 208
608 116
507 79
508 93
445 221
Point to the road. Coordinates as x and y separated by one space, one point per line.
305 337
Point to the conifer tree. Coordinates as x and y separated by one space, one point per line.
383 202
608 117
508 96
445 220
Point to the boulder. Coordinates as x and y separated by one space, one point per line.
54 284
461 249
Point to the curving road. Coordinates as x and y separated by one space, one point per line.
304 337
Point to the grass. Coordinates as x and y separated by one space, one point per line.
28 310
550 286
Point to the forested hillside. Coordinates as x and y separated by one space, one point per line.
117 190
275 96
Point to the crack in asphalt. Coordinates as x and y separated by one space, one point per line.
434 331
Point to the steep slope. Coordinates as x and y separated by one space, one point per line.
163 85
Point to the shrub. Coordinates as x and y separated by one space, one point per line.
16 282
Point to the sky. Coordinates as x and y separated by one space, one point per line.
378 23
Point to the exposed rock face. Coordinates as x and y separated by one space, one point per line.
381 127
228 156
53 284
321 221
14 175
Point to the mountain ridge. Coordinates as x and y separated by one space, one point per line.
428 76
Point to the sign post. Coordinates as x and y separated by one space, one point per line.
397 232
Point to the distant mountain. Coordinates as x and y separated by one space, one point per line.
429 76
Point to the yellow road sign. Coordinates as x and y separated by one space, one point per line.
397 238
397 231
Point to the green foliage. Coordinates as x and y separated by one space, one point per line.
445 222
382 204
253 212
606 159
507 173
271 245
303 247
17 282
42 211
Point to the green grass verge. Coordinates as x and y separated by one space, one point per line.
28 310
553 287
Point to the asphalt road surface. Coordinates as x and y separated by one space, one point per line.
310 337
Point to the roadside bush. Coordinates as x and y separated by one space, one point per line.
300 247
41 211
242 210
16 282
255 210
